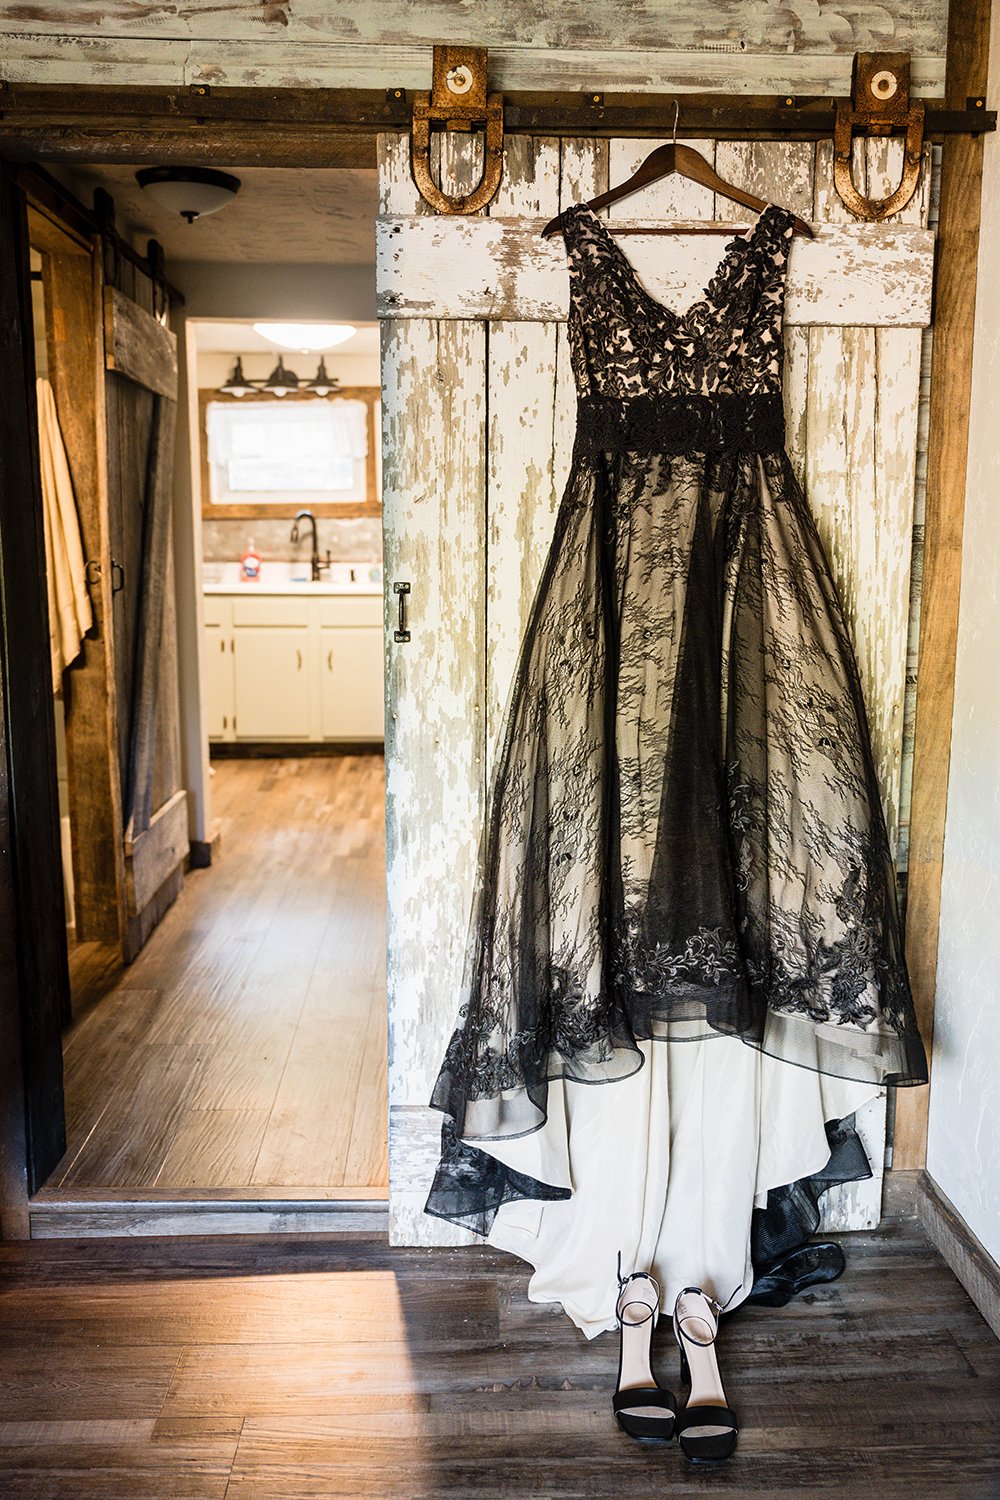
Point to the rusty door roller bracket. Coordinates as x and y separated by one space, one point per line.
880 104
457 101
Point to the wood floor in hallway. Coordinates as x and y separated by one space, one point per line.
255 1369
246 1046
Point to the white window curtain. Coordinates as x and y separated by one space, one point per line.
258 446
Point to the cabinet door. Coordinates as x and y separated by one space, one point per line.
272 683
353 701
218 683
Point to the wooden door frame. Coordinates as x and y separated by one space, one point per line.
34 968
130 124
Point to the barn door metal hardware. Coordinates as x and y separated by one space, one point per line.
93 570
879 105
458 100
402 590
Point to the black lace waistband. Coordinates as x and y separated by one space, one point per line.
680 423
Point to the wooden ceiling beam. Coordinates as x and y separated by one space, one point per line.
338 127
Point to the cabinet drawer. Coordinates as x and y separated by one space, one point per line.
350 609
271 609
216 609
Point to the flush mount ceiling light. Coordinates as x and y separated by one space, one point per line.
191 192
307 338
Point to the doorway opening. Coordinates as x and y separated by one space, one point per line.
227 1036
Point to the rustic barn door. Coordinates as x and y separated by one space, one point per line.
477 429
141 359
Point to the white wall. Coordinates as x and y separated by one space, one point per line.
963 1154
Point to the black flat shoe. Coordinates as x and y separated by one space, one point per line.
783 1279
707 1426
643 1408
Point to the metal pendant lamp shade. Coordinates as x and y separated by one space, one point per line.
237 384
322 383
191 192
281 382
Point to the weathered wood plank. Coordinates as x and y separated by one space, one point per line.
138 346
434 521
576 24
74 330
150 648
494 268
521 486
731 45
153 855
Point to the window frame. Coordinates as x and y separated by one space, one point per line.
286 509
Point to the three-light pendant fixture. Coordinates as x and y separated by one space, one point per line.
280 382
305 337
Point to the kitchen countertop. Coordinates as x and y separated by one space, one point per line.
361 578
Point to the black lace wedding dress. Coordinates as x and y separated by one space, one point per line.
685 840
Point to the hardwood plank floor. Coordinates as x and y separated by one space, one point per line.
271 1370
246 1046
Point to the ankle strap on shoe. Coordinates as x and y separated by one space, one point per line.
623 1281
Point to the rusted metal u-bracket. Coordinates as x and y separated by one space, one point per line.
457 101
879 104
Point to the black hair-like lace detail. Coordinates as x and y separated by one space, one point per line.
680 422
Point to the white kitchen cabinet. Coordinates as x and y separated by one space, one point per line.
292 667
352 700
272 682
220 695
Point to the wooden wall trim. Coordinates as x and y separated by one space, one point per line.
966 1255
947 453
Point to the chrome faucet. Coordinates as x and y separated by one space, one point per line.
316 562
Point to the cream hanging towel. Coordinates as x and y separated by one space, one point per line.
70 614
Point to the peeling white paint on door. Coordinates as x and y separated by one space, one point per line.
478 425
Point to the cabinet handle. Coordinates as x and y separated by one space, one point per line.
298 658
222 647
402 590
329 661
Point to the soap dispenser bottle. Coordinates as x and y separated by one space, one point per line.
250 564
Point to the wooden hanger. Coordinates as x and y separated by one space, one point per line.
661 163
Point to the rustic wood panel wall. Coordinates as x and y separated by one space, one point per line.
582 44
472 539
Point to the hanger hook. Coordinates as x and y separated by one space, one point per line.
677 115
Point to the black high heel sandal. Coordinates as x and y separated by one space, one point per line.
707 1426
642 1407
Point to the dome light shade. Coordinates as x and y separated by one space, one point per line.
307 338
191 192
237 384
281 382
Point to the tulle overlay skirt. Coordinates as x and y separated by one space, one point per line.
684 844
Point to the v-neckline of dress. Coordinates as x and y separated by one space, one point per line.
706 297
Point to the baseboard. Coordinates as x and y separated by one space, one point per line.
92 1217
290 749
966 1255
